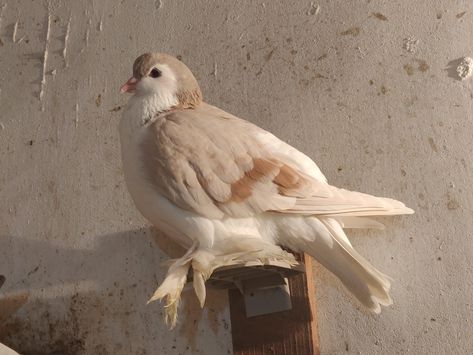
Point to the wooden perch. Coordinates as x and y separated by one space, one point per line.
289 332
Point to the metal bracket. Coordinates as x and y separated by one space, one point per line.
266 299
264 287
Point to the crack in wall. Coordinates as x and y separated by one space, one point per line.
15 28
76 119
45 58
66 40
1 18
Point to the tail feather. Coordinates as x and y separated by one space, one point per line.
341 202
333 250
370 286
359 222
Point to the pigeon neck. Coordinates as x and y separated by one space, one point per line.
154 104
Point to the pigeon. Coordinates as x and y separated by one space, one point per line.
5 350
230 192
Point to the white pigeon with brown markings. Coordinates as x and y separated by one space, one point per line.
231 192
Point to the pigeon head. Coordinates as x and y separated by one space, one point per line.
165 78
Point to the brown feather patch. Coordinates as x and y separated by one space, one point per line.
262 169
288 178
241 189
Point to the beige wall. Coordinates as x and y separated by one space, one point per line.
338 83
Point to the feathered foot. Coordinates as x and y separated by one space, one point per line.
171 290
235 251
172 286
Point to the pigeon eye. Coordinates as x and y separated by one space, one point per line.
155 73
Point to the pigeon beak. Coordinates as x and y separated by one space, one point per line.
129 86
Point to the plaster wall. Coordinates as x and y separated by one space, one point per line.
366 88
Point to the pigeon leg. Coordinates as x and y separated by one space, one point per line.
172 286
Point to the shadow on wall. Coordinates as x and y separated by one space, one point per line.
72 300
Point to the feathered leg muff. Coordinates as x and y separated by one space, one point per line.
235 251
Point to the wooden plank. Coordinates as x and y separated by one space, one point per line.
292 332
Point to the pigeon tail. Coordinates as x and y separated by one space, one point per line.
331 247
